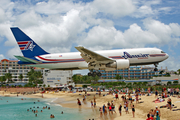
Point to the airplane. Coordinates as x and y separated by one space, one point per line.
107 60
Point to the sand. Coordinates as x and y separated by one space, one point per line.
141 110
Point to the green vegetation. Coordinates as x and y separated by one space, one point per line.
35 77
20 77
85 79
8 77
2 79
175 82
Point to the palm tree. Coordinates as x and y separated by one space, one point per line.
8 76
96 78
21 77
145 83
2 79
134 83
178 71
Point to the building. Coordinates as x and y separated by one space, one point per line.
57 78
12 66
130 73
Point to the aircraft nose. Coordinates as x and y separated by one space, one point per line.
167 55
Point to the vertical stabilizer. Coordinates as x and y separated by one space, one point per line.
27 46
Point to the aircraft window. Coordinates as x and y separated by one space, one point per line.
162 52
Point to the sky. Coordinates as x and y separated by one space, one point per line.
60 25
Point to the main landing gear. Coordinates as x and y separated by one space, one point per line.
94 73
155 69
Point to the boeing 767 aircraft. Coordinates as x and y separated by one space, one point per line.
107 60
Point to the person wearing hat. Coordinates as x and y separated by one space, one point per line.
157 113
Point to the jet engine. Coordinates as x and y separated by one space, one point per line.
119 64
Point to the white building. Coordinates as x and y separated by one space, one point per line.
12 67
55 78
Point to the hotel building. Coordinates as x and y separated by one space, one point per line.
12 66
130 73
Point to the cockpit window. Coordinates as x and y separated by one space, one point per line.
162 52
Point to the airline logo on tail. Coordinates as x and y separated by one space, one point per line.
26 45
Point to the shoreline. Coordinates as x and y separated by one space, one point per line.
69 100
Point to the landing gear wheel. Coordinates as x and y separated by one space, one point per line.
89 74
99 74
155 69
94 74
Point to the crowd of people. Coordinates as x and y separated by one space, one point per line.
130 103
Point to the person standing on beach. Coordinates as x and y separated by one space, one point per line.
79 102
133 110
94 103
116 96
108 105
120 109
157 113
127 107
137 99
156 93
169 103
104 107
100 110
91 103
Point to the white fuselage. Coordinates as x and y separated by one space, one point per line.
73 60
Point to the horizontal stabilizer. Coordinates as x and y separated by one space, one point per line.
25 59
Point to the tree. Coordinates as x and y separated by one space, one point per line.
129 84
167 74
123 83
175 82
118 77
139 84
75 79
21 77
96 78
44 85
144 83
178 71
8 76
114 84
134 83
169 83
34 76
2 79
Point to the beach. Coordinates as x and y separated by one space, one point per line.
69 100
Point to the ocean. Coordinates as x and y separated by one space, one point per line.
13 108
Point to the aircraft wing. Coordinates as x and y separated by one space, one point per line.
25 59
90 56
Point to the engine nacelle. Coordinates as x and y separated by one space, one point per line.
119 64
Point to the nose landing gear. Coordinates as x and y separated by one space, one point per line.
156 65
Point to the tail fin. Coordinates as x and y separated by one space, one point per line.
27 46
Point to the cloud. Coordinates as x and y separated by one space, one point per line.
2 56
57 25
155 33
170 63
117 8
13 51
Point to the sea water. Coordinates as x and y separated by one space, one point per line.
13 108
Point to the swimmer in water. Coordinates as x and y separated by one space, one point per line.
62 112
51 116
